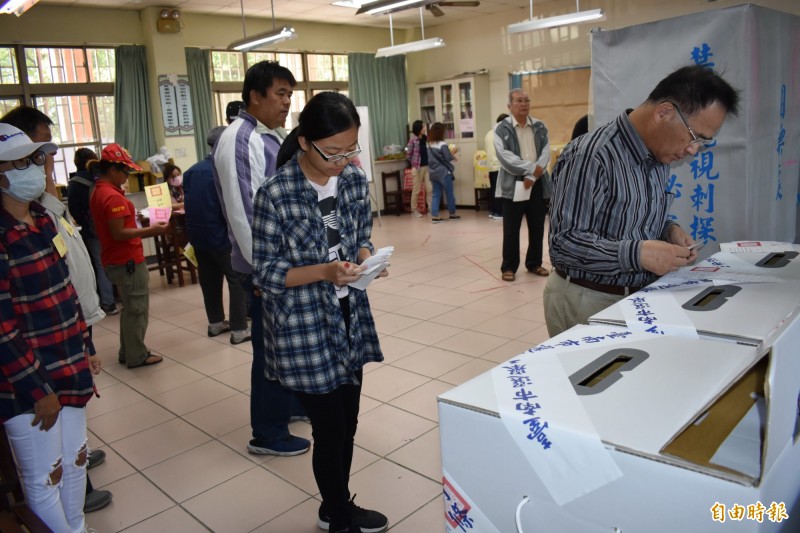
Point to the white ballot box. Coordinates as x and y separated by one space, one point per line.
607 429
780 262
743 312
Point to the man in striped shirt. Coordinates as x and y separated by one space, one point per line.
610 233
243 158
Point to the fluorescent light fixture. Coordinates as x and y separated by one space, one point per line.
390 6
17 7
560 20
413 46
263 39
355 4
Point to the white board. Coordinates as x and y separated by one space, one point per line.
364 140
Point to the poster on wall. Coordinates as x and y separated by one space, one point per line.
744 186
176 104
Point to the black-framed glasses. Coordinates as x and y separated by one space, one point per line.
37 158
337 157
696 141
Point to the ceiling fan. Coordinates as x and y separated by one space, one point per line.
437 12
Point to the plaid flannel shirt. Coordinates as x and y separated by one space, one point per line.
44 344
305 340
413 152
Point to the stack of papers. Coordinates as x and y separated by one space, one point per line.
372 267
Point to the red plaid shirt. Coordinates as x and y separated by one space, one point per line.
44 344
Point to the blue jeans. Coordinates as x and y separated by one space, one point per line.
104 286
270 404
447 183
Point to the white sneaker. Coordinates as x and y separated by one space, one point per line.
416 214
218 328
238 337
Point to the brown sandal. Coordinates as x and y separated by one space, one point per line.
508 276
541 271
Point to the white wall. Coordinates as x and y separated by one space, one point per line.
482 43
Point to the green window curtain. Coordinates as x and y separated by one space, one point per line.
380 84
198 65
133 127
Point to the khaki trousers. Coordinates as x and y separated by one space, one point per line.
567 305
134 291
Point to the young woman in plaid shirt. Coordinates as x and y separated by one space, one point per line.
312 225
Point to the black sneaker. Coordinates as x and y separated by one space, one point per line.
361 520
96 458
110 309
96 500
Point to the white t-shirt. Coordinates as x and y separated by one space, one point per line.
326 196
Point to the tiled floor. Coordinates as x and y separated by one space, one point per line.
175 433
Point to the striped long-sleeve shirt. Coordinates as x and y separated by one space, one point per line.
609 195
243 158
43 338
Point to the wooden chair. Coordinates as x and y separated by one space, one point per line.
392 198
171 245
482 195
15 515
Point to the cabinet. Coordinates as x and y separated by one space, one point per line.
462 106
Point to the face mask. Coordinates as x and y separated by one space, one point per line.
176 181
25 185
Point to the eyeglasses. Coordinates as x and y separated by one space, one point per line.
337 157
37 158
696 141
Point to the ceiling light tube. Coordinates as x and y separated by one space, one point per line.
17 7
262 39
414 46
560 20
390 6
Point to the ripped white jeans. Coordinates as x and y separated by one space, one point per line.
41 456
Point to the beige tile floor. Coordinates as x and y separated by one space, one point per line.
175 433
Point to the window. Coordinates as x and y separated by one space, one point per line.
73 86
314 73
8 66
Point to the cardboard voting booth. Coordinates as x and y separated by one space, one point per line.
702 431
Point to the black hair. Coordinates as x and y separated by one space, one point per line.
501 117
168 169
581 127
28 119
694 88
261 76
326 114
416 127
83 156
100 167
436 132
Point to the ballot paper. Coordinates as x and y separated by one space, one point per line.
373 266
521 194
754 246
158 195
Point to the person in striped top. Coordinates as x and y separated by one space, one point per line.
610 233
44 343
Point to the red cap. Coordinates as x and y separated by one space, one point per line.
117 154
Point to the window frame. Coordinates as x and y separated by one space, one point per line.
309 88
29 94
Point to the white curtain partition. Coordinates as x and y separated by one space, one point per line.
745 187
